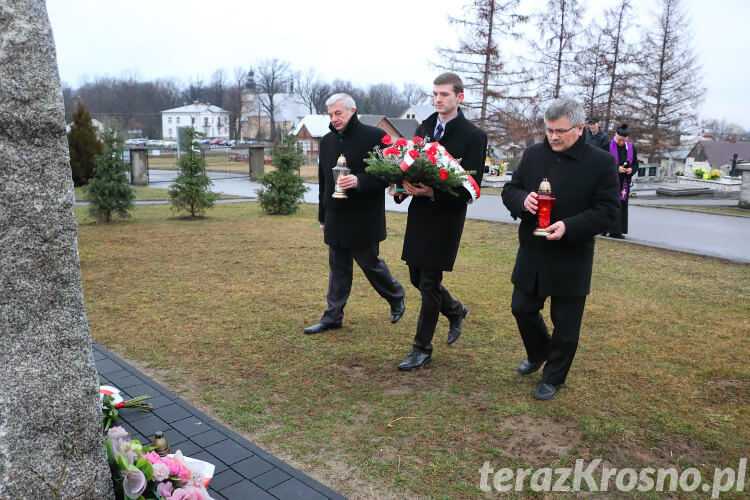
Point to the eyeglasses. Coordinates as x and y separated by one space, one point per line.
559 131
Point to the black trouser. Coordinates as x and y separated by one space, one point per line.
559 349
435 300
340 279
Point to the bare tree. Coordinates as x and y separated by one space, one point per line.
359 95
272 77
218 86
669 86
617 53
559 28
415 94
311 91
721 130
591 71
488 79
196 87
386 99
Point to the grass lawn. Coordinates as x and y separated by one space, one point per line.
214 309
147 194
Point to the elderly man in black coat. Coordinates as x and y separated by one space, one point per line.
352 227
584 183
436 218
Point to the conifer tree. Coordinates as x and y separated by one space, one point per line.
83 144
283 188
191 190
108 191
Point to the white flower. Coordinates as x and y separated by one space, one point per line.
161 472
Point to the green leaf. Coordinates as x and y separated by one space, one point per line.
110 454
146 468
123 464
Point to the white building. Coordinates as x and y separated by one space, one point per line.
418 112
210 120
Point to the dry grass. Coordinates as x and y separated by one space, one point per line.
215 309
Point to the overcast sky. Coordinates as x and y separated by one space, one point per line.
365 42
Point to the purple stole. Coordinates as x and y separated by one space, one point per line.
613 152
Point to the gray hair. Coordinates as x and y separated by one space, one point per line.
346 98
565 106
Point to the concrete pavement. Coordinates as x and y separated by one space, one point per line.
714 235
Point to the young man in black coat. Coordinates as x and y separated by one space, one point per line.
595 136
352 227
584 183
436 218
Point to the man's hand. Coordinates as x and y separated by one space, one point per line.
420 190
556 230
322 228
628 170
622 170
348 182
530 203
399 196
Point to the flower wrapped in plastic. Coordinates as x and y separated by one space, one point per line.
139 472
416 161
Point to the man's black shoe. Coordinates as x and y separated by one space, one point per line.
617 236
457 326
321 327
414 360
544 391
527 367
397 311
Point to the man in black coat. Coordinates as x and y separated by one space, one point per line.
584 183
436 218
627 166
595 136
352 227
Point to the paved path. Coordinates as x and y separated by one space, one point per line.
714 235
243 470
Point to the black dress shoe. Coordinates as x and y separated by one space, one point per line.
397 311
617 236
544 391
414 360
321 327
457 326
527 367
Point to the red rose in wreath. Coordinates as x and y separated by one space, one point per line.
390 151
401 142
444 174
432 159
417 140
414 154
387 139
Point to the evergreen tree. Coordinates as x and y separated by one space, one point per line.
108 191
83 145
191 189
283 188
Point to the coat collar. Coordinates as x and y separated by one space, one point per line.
350 126
430 122
575 151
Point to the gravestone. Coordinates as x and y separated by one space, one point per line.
51 442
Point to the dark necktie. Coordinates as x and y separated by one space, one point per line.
439 133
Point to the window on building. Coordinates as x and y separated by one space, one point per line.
641 171
178 120
170 132
315 146
652 171
205 122
192 120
